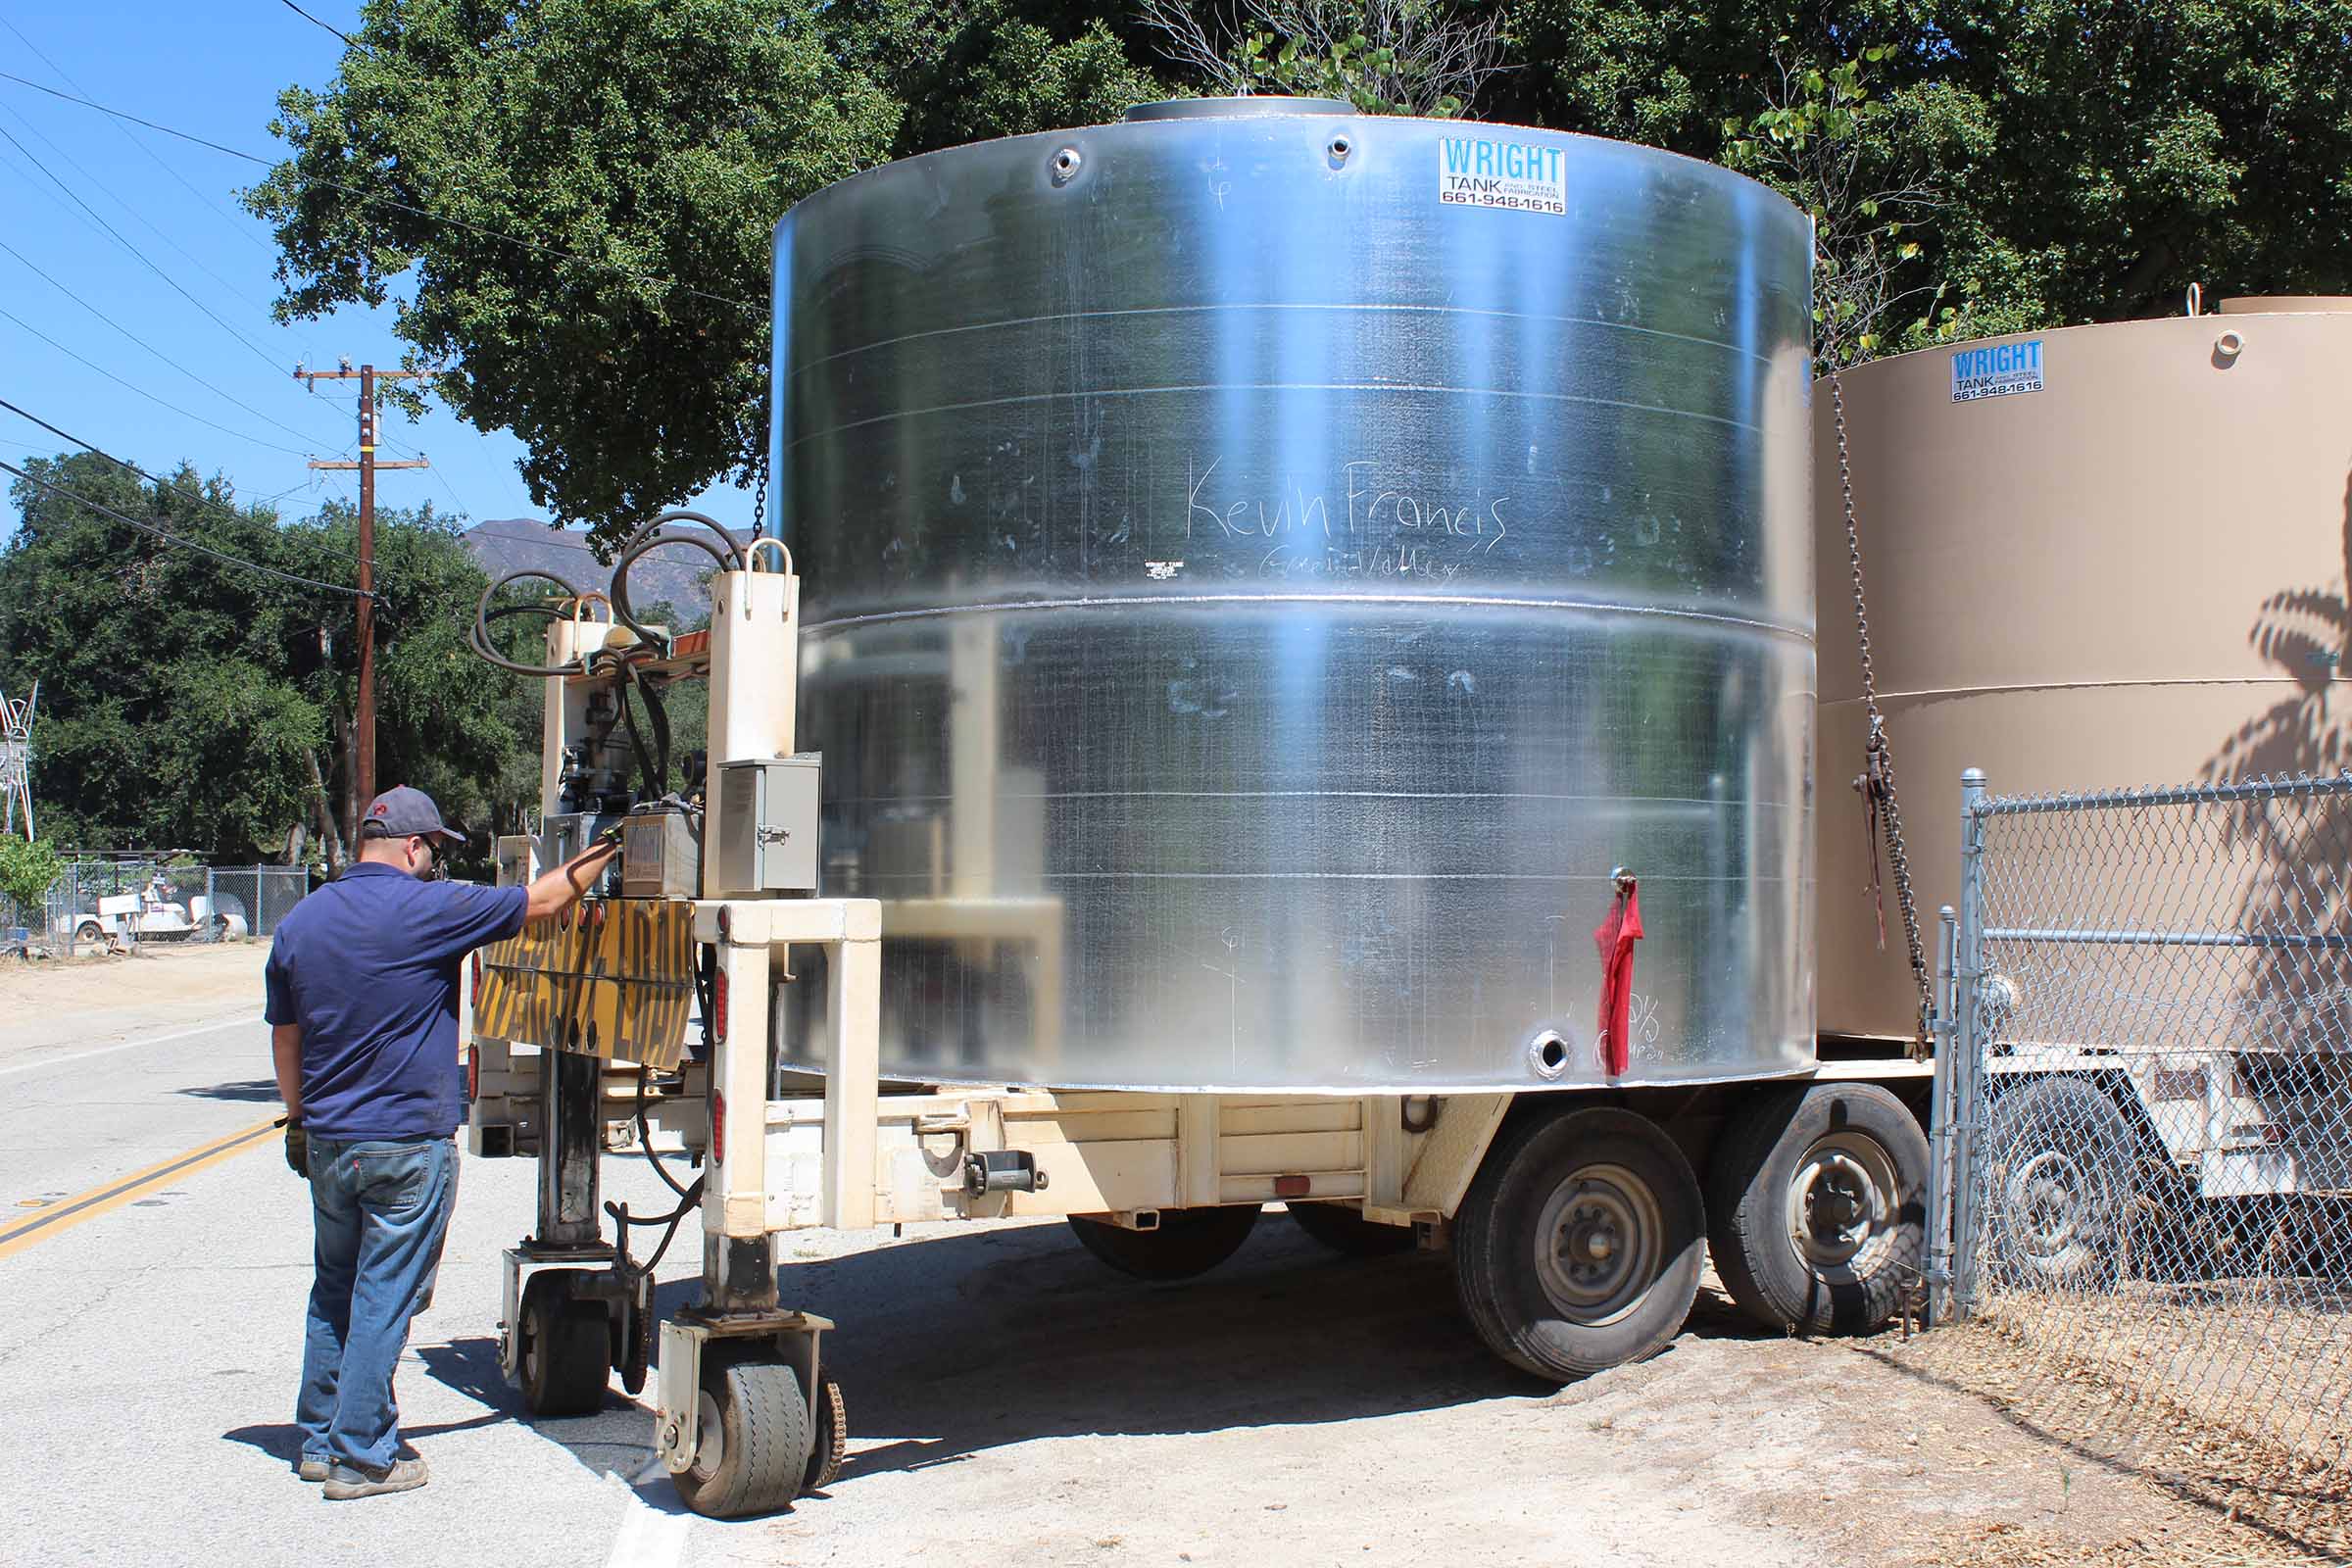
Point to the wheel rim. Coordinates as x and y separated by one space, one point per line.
1842 1213
709 1435
1599 1244
2053 1197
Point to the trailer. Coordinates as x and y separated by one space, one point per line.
1579 1222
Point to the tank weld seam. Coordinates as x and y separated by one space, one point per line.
1742 425
1745 879
1289 1092
1744 804
1304 304
1791 632
1931 693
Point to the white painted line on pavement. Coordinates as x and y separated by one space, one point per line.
648 1538
125 1044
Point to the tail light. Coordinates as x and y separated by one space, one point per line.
474 1067
718 1127
476 994
718 1008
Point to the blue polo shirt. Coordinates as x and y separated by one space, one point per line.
369 966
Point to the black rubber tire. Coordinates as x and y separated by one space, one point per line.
830 1443
1345 1231
762 1430
1769 1145
1616 1160
567 1349
635 1326
2060 1187
91 932
1189 1242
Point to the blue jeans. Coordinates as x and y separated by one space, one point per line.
380 1210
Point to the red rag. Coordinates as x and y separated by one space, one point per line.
1615 939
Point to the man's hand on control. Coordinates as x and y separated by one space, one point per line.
298 1148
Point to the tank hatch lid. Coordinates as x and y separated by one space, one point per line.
1256 105
2288 305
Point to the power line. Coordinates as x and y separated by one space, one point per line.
144 260
172 538
35 268
315 22
175 487
388 201
154 228
142 391
155 157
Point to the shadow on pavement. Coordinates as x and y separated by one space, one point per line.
950 1346
258 1089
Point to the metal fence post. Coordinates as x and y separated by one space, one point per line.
1941 1126
1969 1048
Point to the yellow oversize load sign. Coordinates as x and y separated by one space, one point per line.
610 979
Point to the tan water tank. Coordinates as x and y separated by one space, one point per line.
2096 558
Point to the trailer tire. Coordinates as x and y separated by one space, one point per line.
88 931
566 1350
1345 1231
830 1443
753 1449
1817 1208
1579 1245
1188 1242
2060 1195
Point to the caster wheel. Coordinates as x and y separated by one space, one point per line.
566 1347
751 1452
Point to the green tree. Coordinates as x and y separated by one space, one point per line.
29 869
2089 159
191 703
575 196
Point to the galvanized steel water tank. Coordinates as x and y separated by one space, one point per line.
1265 567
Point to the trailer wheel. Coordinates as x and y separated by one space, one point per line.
1345 1231
752 1445
1817 1208
2060 1189
831 1441
88 931
1579 1245
566 1347
1187 1242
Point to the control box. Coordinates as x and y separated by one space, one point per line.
567 835
661 856
765 826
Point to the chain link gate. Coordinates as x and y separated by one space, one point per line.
2143 1128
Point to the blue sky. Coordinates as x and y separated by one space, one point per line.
213 69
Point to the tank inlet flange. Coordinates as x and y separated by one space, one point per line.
1548 1054
1067 164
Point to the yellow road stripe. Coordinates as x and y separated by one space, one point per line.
64 1215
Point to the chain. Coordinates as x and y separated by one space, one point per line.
1882 811
760 499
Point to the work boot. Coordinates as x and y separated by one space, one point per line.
312 1468
347 1481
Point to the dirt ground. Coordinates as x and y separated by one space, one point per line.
1015 1403
56 1005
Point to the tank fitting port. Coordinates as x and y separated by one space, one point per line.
1548 1053
1065 166
1341 147
2228 347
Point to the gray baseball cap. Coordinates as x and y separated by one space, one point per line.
403 812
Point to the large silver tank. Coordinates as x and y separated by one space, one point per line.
1255 596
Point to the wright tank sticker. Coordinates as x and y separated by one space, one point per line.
1997 370
1520 176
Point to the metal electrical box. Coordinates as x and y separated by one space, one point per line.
765 826
661 856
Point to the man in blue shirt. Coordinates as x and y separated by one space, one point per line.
363 983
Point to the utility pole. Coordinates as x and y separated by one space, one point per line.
363 716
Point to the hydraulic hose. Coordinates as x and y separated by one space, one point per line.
479 637
644 543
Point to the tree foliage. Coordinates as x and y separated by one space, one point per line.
29 869
187 701
574 197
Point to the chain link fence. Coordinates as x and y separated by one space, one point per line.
2144 1129
86 906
